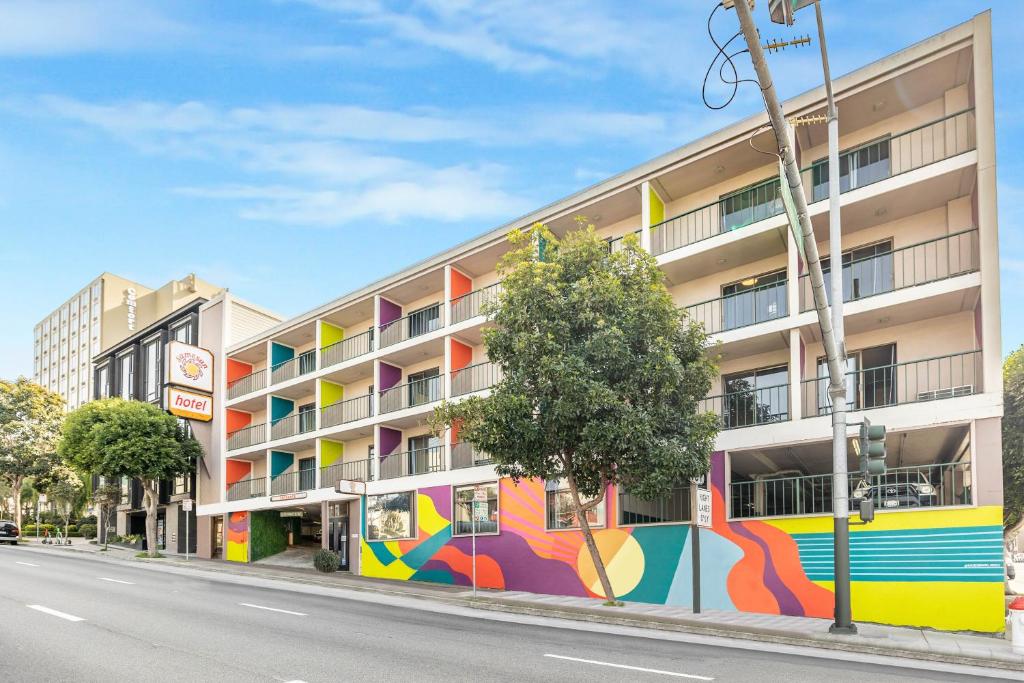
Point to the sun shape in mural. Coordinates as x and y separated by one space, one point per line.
623 559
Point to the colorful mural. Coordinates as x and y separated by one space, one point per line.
236 539
937 568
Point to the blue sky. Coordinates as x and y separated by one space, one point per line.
260 144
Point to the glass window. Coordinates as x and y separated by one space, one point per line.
486 523
424 387
870 379
675 507
390 517
867 271
560 513
424 320
181 485
151 378
857 168
182 332
754 300
749 205
126 374
125 488
103 381
756 397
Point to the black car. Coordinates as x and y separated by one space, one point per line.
9 532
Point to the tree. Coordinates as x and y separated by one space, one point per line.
117 438
106 496
63 487
30 423
1013 444
602 376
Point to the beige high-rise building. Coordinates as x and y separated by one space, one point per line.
104 312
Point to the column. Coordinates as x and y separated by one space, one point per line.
645 216
446 306
796 372
447 394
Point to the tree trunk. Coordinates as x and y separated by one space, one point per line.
16 490
151 490
588 534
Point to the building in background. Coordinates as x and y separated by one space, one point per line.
341 394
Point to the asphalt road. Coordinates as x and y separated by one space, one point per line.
73 617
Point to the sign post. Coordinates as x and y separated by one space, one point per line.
479 502
186 505
701 518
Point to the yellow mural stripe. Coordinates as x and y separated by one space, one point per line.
371 566
989 515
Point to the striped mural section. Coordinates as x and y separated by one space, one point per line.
962 554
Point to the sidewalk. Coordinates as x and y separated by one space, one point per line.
911 643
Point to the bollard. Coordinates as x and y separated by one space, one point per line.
1016 623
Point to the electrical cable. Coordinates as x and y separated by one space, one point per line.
726 57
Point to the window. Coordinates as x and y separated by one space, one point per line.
424 387
675 507
424 320
125 488
184 331
560 514
867 270
181 484
126 375
754 300
151 363
307 417
486 523
756 397
307 474
857 167
870 379
749 205
424 455
390 517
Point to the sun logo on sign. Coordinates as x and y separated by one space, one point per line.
191 366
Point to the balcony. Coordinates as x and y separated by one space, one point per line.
615 244
466 455
247 436
929 379
916 264
354 470
302 364
248 384
413 325
750 407
415 393
471 305
349 410
749 307
292 425
475 378
247 488
419 461
292 482
347 349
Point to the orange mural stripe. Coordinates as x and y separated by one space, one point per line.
745 582
816 601
488 571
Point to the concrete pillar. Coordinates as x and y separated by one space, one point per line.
645 216
987 461
796 373
446 305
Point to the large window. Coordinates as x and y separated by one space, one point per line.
675 507
103 381
424 387
756 397
151 365
184 331
749 205
424 320
867 270
858 167
390 517
560 512
126 375
754 300
487 522
870 379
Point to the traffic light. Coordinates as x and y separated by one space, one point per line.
871 448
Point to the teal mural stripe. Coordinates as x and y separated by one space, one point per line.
280 407
279 353
419 555
279 462
381 552
662 546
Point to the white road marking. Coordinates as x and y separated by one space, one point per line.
55 613
104 578
631 668
272 609
27 564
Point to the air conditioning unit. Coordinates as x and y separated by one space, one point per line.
962 390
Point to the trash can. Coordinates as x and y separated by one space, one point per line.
1016 620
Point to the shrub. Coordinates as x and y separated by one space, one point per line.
72 528
88 530
325 561
30 529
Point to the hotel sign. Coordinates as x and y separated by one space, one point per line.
189 404
130 301
190 367
298 495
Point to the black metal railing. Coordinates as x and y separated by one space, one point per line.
247 436
465 455
415 393
749 407
347 349
474 303
615 244
928 379
933 485
247 488
419 461
291 482
254 381
348 410
674 507
353 470
302 364
475 378
752 306
413 325
291 425
915 264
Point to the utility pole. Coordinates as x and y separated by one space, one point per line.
830 322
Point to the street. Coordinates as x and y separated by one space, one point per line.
72 617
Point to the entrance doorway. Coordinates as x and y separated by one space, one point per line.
338 538
218 536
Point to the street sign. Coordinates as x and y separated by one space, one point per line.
351 487
703 508
186 505
480 494
480 512
789 204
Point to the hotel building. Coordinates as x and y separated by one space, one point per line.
342 393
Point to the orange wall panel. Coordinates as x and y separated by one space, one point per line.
462 355
237 370
460 284
236 471
236 419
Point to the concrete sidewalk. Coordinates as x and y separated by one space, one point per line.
875 639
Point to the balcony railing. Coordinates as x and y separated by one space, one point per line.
906 151
615 244
349 410
475 378
754 406
353 470
247 436
413 325
297 423
247 488
929 379
755 305
347 349
416 393
472 304
419 461
465 455
246 385
291 482
936 485
916 264
302 364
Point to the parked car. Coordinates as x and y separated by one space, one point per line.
9 532
909 491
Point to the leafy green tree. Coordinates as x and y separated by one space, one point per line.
30 424
117 438
603 376
1013 443
63 487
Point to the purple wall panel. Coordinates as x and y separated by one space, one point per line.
389 311
389 376
390 439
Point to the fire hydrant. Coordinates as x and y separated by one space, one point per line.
1016 620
